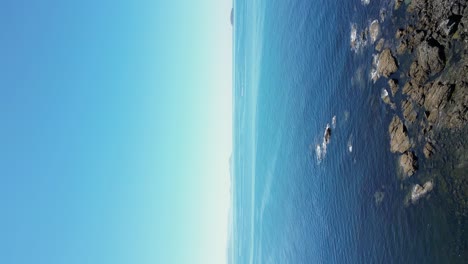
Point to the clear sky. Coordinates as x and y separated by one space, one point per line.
115 131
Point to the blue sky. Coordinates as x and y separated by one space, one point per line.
115 131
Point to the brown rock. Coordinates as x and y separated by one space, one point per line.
408 163
418 74
399 140
436 98
415 92
386 64
431 57
428 150
408 111
393 86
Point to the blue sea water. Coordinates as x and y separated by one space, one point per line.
294 71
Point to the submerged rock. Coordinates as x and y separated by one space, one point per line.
428 150
399 140
419 191
386 64
380 45
408 162
378 197
398 4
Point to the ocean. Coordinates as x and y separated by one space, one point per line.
295 198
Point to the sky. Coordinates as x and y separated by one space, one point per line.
115 131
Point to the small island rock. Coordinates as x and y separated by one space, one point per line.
419 191
386 64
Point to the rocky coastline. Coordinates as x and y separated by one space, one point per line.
424 66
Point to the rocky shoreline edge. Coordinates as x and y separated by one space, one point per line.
424 65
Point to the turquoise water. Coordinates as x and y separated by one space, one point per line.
295 71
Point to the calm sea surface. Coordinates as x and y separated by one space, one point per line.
295 71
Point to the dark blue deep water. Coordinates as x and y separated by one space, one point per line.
294 71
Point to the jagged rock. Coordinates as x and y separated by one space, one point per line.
416 38
386 63
327 135
428 150
415 92
399 140
431 58
436 98
457 109
408 111
419 191
408 162
417 72
393 83
380 45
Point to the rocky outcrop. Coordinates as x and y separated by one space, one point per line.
431 57
431 45
415 92
436 98
417 73
409 113
399 140
419 191
386 63
408 163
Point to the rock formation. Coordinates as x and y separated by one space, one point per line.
393 84
428 150
419 191
386 63
399 140
408 111
408 163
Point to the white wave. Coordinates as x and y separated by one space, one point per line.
334 122
365 2
358 40
384 93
